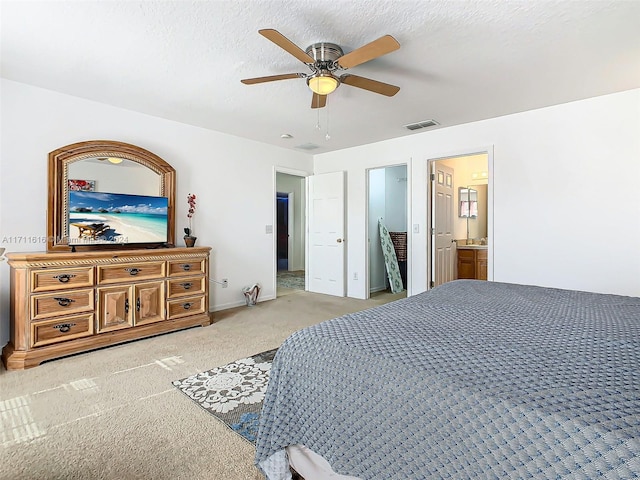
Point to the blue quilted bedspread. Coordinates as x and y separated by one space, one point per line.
470 380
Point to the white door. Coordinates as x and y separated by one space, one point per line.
326 266
443 247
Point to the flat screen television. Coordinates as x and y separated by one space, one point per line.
97 218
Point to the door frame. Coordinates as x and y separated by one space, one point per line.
366 227
487 150
274 261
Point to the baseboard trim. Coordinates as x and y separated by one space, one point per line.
239 303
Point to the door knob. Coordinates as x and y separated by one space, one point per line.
339 240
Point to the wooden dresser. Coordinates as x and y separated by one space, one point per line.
65 303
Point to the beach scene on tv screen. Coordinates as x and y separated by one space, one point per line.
96 217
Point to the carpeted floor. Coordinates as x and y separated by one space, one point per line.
113 413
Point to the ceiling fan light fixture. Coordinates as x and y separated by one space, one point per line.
323 83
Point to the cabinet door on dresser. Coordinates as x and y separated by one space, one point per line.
150 305
114 308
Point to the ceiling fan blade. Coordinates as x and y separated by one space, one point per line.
271 78
318 101
286 44
371 85
377 48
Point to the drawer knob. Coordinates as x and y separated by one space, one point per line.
186 285
133 271
186 267
187 305
64 327
63 301
64 278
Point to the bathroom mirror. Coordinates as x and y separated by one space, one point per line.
105 166
468 202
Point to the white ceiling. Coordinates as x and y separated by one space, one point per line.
459 61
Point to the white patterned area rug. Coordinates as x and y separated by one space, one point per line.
232 393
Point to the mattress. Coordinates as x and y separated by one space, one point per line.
472 379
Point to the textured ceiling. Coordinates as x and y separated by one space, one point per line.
459 61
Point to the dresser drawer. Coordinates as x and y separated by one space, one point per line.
179 268
48 279
184 307
186 287
128 272
61 329
61 303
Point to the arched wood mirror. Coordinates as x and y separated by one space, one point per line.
105 194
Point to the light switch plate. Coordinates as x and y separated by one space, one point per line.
416 228
268 229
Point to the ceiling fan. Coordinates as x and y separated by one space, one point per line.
325 60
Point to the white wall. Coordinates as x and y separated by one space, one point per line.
232 177
396 198
575 167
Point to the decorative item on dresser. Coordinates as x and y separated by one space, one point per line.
189 239
64 303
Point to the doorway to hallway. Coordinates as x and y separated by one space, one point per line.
289 229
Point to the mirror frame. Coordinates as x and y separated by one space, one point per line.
58 208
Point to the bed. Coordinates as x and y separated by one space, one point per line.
472 379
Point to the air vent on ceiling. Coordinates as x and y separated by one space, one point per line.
423 124
308 146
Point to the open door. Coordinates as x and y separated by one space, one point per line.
444 252
326 258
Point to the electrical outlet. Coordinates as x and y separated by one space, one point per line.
225 282
355 275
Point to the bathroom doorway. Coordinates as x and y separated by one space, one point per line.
387 204
460 243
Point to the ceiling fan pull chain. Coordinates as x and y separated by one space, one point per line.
318 111
327 137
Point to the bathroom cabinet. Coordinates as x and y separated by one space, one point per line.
472 262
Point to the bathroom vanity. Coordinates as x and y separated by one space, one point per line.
472 262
